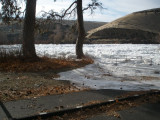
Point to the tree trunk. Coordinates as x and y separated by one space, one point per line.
81 31
28 30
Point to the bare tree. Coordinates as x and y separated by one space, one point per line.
80 23
81 31
11 11
28 30
76 6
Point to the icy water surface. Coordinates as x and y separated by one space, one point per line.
116 66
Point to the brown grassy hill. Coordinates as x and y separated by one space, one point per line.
138 25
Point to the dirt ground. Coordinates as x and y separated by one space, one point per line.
15 86
17 83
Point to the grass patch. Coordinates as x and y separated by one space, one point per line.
13 61
42 65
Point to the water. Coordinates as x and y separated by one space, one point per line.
130 66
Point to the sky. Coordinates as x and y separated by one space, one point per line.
115 8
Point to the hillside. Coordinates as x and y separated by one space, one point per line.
52 32
138 27
88 25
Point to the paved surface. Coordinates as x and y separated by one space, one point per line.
48 104
144 112
2 114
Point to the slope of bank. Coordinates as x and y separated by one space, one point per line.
138 27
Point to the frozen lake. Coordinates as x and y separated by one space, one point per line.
116 66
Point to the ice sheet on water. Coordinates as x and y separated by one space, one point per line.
114 65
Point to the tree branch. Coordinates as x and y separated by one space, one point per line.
65 12
92 6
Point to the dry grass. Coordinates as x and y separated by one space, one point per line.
133 21
44 64
133 28
13 61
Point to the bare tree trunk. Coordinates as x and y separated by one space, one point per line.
28 30
81 31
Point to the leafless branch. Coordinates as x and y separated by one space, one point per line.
54 15
94 5
72 10
65 12
10 11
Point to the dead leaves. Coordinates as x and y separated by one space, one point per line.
11 94
44 64
113 113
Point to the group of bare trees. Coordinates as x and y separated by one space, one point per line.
11 11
